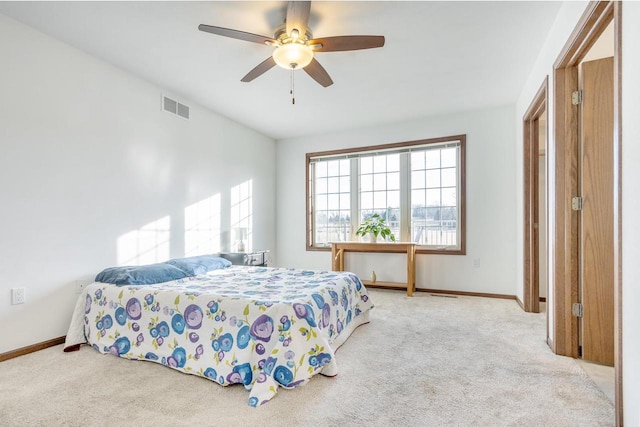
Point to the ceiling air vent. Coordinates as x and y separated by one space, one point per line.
174 107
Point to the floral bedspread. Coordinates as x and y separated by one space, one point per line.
260 327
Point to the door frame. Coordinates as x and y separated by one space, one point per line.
536 110
565 225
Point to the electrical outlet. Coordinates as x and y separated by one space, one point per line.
476 263
17 296
80 285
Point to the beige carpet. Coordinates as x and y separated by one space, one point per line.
422 361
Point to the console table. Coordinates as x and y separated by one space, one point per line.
338 250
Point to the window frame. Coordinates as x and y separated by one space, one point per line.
309 187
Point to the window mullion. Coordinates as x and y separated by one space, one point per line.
459 178
405 197
311 207
355 196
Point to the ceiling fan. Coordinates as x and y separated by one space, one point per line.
295 46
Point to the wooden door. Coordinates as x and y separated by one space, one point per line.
596 219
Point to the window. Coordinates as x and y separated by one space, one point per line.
333 201
242 217
417 186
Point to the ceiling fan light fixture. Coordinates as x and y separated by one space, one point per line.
293 55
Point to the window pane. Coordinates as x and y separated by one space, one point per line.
417 160
345 167
333 185
321 169
417 179
433 214
418 211
433 197
393 162
380 182
449 214
321 202
449 157
364 214
345 201
418 198
449 177
393 181
366 200
433 159
366 183
449 196
379 200
366 165
432 230
345 184
393 219
433 178
393 216
380 164
333 168
335 229
393 199
321 235
321 185
334 201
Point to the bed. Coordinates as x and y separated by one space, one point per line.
261 327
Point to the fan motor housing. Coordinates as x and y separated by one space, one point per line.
281 35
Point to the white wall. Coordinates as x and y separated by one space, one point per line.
490 193
88 157
630 209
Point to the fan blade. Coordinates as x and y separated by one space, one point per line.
298 16
342 43
318 73
260 69
235 34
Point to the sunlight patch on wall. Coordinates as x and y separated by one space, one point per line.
242 217
202 227
147 245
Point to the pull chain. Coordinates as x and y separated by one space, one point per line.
292 91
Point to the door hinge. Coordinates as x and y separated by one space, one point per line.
577 309
576 97
576 203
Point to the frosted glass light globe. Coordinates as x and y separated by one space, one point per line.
293 56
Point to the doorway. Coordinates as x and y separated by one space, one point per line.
571 145
534 169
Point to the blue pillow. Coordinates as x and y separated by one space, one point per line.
141 274
200 264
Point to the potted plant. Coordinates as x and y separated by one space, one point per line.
375 226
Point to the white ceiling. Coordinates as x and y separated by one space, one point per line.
439 57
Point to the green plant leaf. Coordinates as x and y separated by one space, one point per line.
376 226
